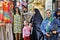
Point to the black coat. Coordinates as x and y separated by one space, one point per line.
36 21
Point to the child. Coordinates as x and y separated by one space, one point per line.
26 31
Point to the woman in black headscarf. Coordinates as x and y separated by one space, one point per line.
36 21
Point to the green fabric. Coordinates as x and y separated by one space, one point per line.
47 26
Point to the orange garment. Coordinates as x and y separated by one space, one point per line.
6 6
6 9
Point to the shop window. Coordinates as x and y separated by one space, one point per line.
57 4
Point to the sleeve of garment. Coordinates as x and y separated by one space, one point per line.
58 24
31 20
58 31
23 32
42 28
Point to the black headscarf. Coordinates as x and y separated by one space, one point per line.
37 18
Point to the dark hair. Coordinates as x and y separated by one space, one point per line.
36 12
37 17
18 10
48 10
57 11
24 6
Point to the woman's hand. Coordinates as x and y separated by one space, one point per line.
30 24
47 35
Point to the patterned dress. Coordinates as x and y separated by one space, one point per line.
17 23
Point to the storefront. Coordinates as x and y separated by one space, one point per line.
56 4
39 4
26 8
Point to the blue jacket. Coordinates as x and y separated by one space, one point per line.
51 26
57 23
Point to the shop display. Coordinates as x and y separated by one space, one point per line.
30 1
24 0
26 9
48 5
1 21
6 6
8 19
1 17
30 7
6 9
39 4
12 5
18 3
27 15
1 12
24 6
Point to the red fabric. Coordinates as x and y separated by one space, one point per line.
7 21
1 17
27 38
6 6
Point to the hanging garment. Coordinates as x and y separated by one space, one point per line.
6 9
1 15
6 6
17 23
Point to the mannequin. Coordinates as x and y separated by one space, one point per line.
7 19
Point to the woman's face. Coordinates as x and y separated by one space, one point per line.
17 10
48 13
25 23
